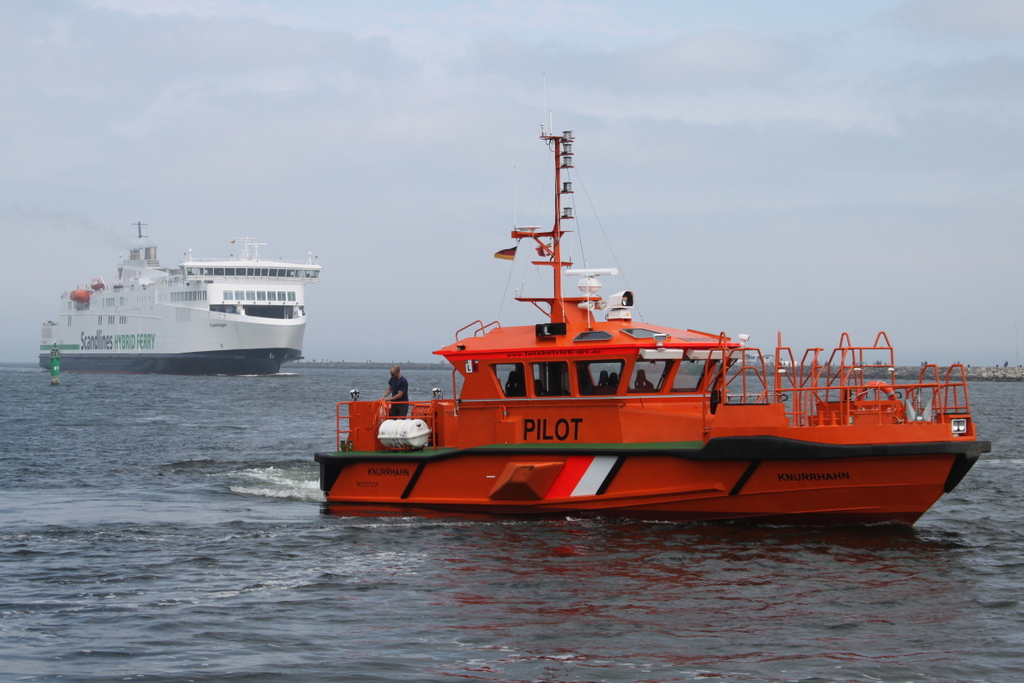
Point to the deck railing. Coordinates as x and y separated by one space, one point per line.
856 385
373 413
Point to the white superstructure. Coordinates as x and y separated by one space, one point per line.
241 315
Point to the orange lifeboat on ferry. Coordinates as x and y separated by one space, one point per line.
98 284
80 295
579 415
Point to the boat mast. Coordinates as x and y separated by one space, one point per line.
562 146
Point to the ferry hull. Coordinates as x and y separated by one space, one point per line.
895 485
235 362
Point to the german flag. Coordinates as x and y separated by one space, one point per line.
507 254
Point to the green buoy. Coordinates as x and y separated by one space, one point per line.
54 365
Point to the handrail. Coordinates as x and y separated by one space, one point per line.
846 389
418 410
481 328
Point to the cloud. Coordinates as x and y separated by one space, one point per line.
967 18
793 163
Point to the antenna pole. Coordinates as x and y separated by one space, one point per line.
515 199
139 226
544 80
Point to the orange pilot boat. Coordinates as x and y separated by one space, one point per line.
593 412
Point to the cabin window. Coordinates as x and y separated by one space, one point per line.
599 377
261 296
648 376
271 296
291 296
511 379
229 271
688 375
229 294
281 296
250 295
551 379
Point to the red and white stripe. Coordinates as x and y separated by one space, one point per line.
581 476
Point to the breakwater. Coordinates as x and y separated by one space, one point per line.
975 373
366 365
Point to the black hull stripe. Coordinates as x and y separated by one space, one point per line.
239 362
718 449
747 474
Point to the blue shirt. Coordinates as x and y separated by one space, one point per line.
399 385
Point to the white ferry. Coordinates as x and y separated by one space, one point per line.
236 316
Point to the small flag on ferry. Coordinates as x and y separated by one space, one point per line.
507 254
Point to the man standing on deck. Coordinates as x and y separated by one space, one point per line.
398 387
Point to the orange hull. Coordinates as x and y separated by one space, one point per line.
620 482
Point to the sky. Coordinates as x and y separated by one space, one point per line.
795 166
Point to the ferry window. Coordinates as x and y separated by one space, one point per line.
250 295
316 274
261 296
207 271
281 296
239 295
291 273
273 272
551 379
291 296
511 378
218 271
688 375
271 296
263 273
648 376
228 294
599 377
229 271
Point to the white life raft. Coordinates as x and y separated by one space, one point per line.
406 434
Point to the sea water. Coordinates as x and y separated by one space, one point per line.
157 528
